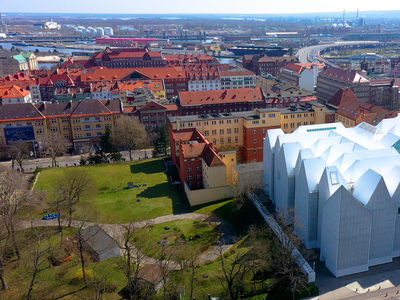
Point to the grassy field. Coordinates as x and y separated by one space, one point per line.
113 202
181 230
55 281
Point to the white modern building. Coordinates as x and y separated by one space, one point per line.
108 31
344 187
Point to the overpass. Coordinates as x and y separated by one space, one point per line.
312 53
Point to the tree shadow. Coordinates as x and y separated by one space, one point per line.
148 167
179 203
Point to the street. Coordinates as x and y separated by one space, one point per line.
30 165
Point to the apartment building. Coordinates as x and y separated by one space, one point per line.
11 94
82 123
261 64
303 75
243 132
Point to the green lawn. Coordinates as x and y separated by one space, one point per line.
113 202
55 281
181 230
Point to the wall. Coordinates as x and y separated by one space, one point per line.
202 196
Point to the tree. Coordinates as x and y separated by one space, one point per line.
132 244
18 151
54 145
234 268
130 134
107 150
38 253
287 272
70 187
13 197
161 142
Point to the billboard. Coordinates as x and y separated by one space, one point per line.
20 133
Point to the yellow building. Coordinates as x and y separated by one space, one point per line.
82 123
243 132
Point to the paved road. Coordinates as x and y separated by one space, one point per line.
310 54
31 164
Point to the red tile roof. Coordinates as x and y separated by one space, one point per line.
192 150
12 91
211 158
342 75
350 107
220 96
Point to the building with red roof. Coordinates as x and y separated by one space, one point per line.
351 111
11 94
262 64
128 58
303 75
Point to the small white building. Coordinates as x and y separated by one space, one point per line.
344 187
303 75
11 94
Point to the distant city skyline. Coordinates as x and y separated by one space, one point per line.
192 7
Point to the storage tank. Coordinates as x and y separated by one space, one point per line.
108 31
92 31
99 31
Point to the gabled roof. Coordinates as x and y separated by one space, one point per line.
12 91
211 158
342 95
192 149
345 76
98 240
19 111
220 96
90 107
152 105
56 109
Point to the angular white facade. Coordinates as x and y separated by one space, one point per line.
344 187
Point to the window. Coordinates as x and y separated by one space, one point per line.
255 141
236 121
75 120
99 126
65 128
255 122
228 121
291 125
271 115
285 125
213 122
88 127
254 131
255 151
86 119
229 131
221 131
99 133
107 118
229 139
39 131
221 121
214 132
190 177
54 129
78 136
39 123
97 119
53 121
206 132
214 141
285 116
197 176
189 169
88 134
77 128
197 168
222 140
236 130
305 115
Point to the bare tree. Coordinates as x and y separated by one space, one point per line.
13 196
130 134
81 239
234 269
245 183
287 272
74 184
38 253
132 244
18 151
54 145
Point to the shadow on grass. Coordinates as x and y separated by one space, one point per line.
179 205
148 167
240 219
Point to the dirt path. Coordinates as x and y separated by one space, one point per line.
116 231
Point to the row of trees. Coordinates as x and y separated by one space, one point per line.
130 135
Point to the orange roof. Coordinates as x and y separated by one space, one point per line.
154 85
104 74
172 106
220 96
350 107
12 91
211 158
192 150
163 72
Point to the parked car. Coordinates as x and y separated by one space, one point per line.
51 216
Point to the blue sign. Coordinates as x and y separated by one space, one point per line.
19 133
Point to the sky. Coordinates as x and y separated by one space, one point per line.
194 6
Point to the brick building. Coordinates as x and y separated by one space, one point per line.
261 64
